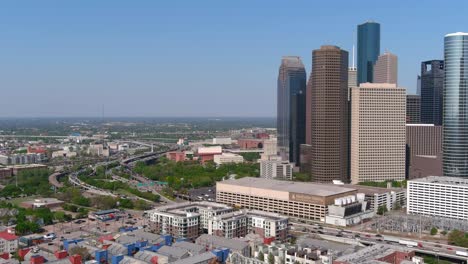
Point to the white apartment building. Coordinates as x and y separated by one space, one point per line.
275 168
378 132
222 141
8 241
438 196
227 158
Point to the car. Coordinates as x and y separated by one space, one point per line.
50 236
339 235
35 250
449 248
357 235
437 246
378 235
320 232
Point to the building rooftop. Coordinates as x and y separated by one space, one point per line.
202 258
216 241
457 34
7 235
289 186
371 254
378 85
443 180
373 190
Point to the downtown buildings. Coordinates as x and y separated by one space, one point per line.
455 114
386 69
291 101
432 86
368 50
327 120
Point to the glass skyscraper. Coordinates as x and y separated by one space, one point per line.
455 114
368 43
291 108
432 86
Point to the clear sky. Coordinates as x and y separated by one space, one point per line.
193 57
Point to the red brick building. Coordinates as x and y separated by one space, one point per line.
250 143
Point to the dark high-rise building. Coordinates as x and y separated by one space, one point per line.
327 118
432 86
291 108
368 42
413 109
455 134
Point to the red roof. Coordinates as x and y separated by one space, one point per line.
7 235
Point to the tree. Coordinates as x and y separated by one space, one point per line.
382 210
59 216
443 232
271 259
261 256
82 251
434 231
458 238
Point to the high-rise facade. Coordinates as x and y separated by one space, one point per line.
291 108
378 131
327 120
455 119
386 69
413 109
368 42
432 87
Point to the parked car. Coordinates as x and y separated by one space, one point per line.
50 236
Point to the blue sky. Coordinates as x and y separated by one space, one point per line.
191 58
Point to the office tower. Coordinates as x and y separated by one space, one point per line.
455 146
276 169
291 108
327 115
386 69
352 77
418 85
432 86
378 129
424 139
368 42
413 109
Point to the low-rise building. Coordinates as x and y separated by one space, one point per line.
98 149
211 242
241 223
227 158
8 241
17 159
222 141
5 173
15 169
275 168
63 154
391 198
185 220
350 210
294 199
176 156
379 253
42 203
250 143
208 153
438 196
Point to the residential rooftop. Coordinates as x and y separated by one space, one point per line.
316 189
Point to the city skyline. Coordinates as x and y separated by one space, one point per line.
74 59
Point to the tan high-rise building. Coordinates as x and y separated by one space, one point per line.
378 132
386 69
327 120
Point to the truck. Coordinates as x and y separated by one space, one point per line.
461 253
409 243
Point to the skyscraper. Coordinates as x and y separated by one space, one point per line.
327 115
455 134
378 129
291 108
386 69
413 109
368 42
418 85
432 86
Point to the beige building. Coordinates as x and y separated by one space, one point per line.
378 132
386 69
294 199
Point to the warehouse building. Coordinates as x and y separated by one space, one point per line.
294 199
438 196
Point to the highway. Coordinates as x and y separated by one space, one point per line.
364 238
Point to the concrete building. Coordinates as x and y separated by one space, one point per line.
349 210
424 139
276 169
455 125
185 220
291 103
250 143
386 69
377 197
438 196
378 130
227 158
208 153
222 141
42 203
98 149
18 159
413 109
8 241
327 96
211 242
269 148
368 50
241 223
432 87
425 166
63 154
352 77
294 199
176 156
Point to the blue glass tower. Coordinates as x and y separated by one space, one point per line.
455 114
368 43
291 108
